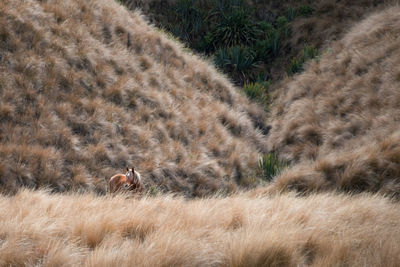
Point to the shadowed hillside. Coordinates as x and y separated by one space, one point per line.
84 230
88 88
307 24
338 122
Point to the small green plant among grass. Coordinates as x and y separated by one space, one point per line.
297 63
271 166
305 10
257 91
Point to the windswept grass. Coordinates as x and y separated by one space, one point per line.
88 88
339 120
321 230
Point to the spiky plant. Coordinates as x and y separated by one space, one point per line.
297 63
237 60
234 28
257 91
270 166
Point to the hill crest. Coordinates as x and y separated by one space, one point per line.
88 88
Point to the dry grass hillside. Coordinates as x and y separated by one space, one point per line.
84 230
338 122
329 21
88 88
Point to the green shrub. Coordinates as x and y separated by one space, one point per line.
283 26
189 20
271 166
261 77
268 45
275 42
257 91
281 22
234 28
236 60
206 44
262 50
309 52
305 10
297 64
265 28
291 13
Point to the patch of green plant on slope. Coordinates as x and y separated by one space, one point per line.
271 166
296 65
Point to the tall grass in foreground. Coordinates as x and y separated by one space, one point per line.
321 230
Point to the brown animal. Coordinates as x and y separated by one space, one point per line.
130 181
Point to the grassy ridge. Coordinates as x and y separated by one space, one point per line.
338 122
88 88
321 230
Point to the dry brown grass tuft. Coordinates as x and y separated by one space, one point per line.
330 21
339 121
321 230
88 87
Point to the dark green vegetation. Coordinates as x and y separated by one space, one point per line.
271 166
243 43
297 63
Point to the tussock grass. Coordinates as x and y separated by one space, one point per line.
88 88
321 230
339 121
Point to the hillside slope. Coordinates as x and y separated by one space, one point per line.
311 24
339 121
88 88
85 230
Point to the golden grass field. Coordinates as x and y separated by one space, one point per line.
38 228
89 87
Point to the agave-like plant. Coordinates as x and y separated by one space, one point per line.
237 60
263 50
234 28
291 13
274 39
189 20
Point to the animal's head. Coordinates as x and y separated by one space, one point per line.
133 180
130 175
